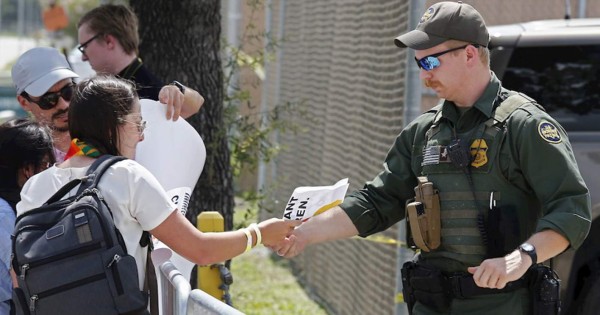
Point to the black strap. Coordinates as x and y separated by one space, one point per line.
97 169
90 180
463 286
150 281
151 284
460 285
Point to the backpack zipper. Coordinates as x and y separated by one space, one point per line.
115 273
36 297
81 250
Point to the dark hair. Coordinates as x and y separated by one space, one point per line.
23 143
116 20
96 107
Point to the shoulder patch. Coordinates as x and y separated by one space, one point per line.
549 132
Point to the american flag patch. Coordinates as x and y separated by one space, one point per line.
434 155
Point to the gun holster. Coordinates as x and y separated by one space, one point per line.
423 216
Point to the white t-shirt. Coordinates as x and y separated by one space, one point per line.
137 200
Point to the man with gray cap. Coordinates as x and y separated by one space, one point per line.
474 178
44 83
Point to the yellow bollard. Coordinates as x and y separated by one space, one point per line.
209 277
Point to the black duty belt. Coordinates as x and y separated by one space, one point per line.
429 280
463 286
436 290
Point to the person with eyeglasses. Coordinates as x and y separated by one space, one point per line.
105 118
25 149
108 37
487 181
44 83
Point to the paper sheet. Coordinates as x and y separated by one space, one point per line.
309 201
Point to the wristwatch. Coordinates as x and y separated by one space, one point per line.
529 250
180 86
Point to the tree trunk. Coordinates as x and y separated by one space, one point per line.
180 40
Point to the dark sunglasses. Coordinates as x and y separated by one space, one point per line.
431 62
87 42
50 99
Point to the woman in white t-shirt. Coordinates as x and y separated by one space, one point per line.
104 118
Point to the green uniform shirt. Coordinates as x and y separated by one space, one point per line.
533 158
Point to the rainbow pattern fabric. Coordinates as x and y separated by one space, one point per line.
79 147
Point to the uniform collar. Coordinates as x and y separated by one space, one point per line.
485 103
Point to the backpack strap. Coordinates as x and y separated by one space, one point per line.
151 284
90 180
96 170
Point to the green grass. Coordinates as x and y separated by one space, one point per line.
264 285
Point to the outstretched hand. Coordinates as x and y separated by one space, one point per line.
495 273
291 246
275 230
171 96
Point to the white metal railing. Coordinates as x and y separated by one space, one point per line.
175 290
200 302
177 298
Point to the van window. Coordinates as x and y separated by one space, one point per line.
563 79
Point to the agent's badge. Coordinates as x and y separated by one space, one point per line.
479 153
549 132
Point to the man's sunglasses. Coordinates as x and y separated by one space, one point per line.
50 99
431 62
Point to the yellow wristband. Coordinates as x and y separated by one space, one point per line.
257 231
249 239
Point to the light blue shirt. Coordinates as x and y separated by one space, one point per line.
7 225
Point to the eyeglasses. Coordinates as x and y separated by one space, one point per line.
82 46
50 99
431 62
141 126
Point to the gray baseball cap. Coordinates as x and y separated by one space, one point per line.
444 21
38 69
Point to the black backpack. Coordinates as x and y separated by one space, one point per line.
71 259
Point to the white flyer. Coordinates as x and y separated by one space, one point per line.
309 201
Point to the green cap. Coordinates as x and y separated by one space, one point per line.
444 21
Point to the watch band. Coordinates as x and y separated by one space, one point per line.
530 251
180 86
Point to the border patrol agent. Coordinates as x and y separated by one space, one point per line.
489 180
